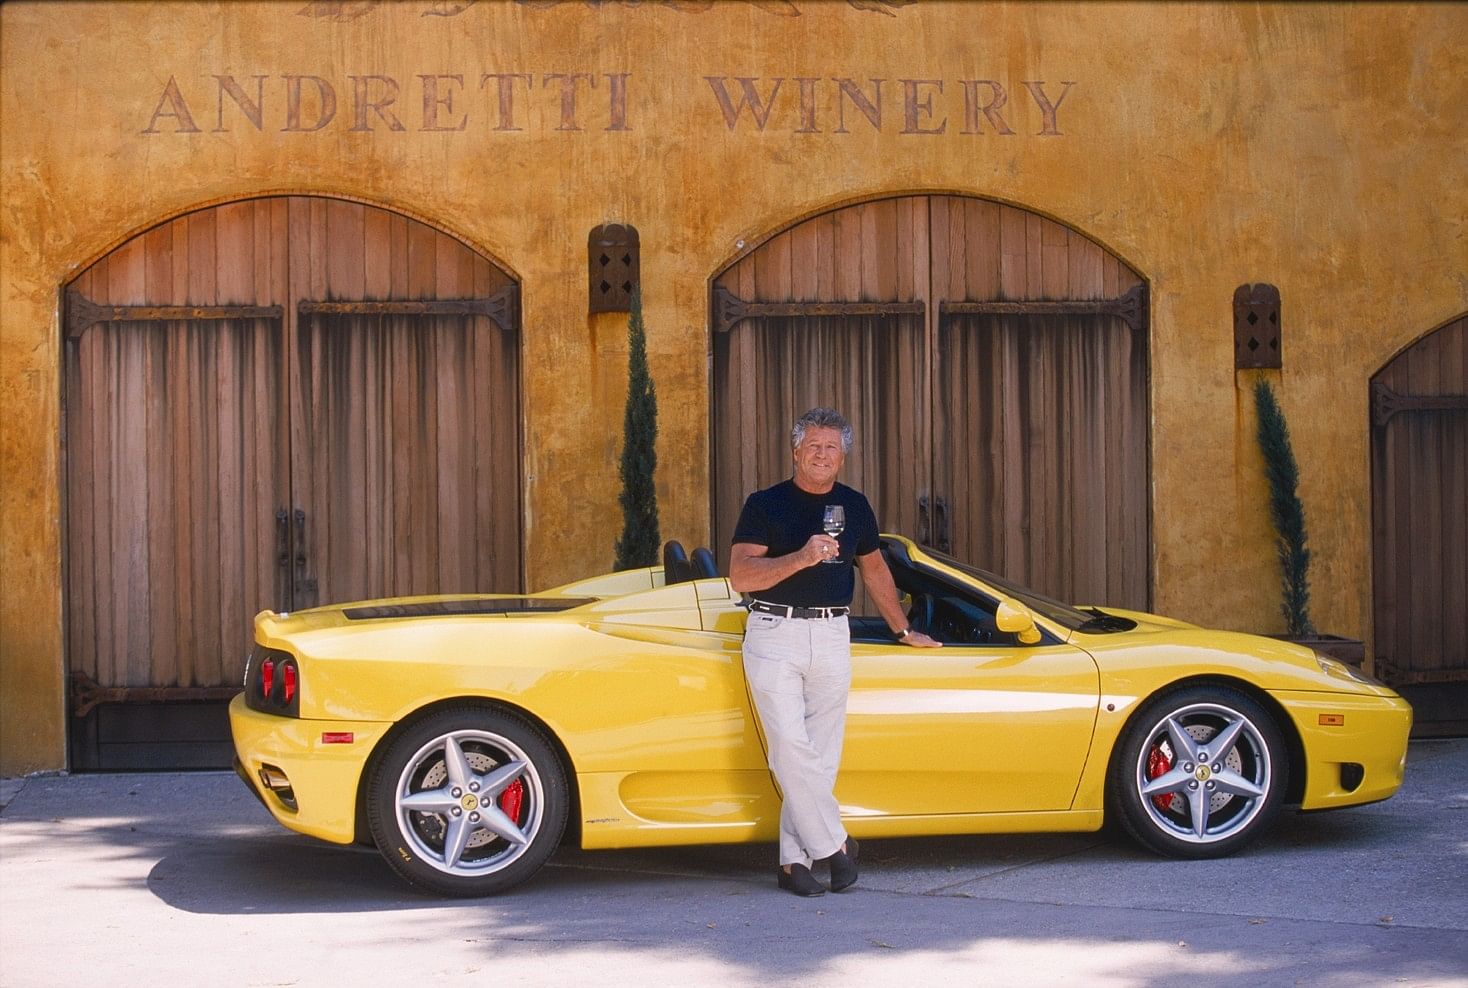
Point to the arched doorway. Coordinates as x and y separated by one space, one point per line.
271 404
1419 529
993 362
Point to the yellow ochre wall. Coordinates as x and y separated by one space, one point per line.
1317 147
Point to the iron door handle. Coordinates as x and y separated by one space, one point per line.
283 557
303 584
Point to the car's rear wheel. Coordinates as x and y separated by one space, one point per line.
468 802
1201 772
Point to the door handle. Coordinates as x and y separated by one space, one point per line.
303 584
283 558
940 523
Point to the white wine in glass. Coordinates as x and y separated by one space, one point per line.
834 523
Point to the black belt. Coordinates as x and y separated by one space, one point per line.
785 610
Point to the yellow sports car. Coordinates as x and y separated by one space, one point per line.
467 736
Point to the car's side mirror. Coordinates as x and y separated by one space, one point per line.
1012 616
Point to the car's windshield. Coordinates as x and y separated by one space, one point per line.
1061 613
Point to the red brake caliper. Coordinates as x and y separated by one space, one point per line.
510 799
1158 763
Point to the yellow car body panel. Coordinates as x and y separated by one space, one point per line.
325 777
641 686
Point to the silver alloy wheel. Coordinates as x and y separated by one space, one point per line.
1218 774
448 802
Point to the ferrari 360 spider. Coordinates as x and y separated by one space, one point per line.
466 737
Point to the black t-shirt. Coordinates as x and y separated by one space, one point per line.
784 517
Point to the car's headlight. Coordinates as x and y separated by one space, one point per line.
1332 666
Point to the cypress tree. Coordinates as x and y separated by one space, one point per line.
638 545
1286 511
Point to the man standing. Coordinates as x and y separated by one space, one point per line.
797 644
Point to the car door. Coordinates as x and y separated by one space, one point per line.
966 728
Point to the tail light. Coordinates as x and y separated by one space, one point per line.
273 682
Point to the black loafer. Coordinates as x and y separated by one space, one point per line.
800 881
843 866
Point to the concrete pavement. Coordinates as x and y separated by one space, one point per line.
184 879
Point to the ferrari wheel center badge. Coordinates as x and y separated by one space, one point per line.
1203 773
471 802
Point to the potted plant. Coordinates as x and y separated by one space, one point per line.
638 545
1287 513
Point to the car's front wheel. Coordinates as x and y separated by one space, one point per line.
467 802
1200 773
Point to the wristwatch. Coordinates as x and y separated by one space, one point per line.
902 635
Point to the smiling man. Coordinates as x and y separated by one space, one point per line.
796 562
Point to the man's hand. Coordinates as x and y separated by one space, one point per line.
919 640
820 548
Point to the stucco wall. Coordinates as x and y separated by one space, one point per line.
1317 147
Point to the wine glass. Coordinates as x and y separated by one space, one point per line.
834 523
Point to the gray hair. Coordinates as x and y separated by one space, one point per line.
822 418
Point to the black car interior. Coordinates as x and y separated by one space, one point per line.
679 567
936 609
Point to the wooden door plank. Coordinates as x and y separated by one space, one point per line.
848 255
1083 258
940 264
160 450
1034 259
957 249
234 234
772 270
83 546
804 263
882 286
903 254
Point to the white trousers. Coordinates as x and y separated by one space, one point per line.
799 673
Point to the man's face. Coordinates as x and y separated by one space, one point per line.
818 459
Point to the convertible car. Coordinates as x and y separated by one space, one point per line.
466 737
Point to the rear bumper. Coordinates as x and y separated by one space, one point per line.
1369 744
323 778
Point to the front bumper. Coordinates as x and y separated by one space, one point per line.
323 778
1355 745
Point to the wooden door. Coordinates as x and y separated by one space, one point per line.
176 466
1419 494
1011 423
405 395
868 367
233 442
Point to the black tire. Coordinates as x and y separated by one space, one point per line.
1183 800
450 842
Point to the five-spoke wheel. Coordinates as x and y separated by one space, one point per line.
1200 772
468 801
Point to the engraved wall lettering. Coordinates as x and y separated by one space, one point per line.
325 102
974 104
759 108
171 104
870 108
438 101
361 102
916 106
1049 128
254 110
617 91
506 89
568 81
562 101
